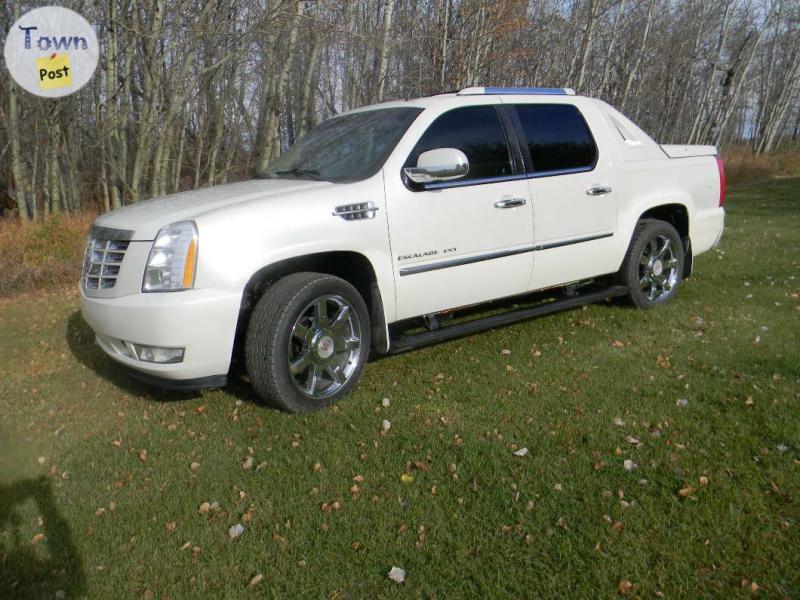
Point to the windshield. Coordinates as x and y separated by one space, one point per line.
347 148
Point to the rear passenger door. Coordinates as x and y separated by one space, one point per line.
572 191
467 240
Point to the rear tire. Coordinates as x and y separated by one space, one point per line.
307 341
653 266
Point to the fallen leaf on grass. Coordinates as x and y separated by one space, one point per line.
143 455
194 466
686 491
256 580
248 463
171 526
397 574
619 422
385 403
207 507
406 478
624 587
235 531
38 538
632 440
358 478
629 465
386 425
703 480
682 402
521 452
617 344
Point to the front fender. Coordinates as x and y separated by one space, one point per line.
239 241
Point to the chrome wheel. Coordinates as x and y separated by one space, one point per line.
324 347
658 268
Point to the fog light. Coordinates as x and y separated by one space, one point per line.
154 354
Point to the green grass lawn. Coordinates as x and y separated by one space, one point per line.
102 481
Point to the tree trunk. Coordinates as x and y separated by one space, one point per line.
12 120
383 54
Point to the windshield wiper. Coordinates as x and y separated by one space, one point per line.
310 173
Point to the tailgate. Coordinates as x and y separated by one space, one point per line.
684 151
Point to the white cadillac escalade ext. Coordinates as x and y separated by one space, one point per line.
375 227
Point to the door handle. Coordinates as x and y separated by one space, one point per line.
599 190
510 202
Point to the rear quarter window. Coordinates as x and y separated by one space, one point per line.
557 138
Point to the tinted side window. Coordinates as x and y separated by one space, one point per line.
477 132
557 137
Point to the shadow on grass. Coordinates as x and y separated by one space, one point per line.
25 571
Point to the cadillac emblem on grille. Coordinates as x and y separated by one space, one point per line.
105 251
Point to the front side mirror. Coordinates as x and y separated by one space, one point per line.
441 164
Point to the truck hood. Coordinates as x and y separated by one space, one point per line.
146 218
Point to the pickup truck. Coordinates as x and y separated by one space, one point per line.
381 223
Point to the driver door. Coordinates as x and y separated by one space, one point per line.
464 241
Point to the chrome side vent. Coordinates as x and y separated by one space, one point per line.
352 212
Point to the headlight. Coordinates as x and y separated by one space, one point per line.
173 259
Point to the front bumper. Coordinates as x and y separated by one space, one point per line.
201 321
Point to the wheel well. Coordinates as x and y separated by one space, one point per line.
353 267
678 217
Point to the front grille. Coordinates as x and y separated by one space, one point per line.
105 252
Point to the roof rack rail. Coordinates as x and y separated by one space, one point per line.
539 91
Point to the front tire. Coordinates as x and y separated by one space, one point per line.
307 341
653 266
